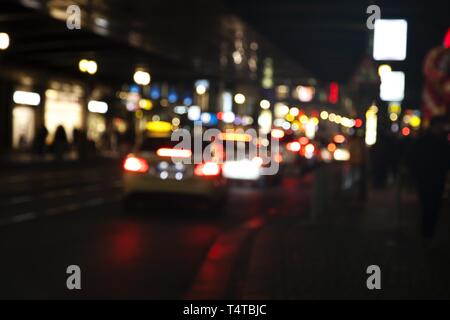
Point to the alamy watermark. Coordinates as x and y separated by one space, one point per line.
375 14
73 21
374 280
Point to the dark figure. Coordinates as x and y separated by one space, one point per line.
60 143
358 161
430 163
39 141
80 143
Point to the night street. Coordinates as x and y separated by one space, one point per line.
202 154
75 216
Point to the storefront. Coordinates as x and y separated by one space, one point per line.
63 107
24 118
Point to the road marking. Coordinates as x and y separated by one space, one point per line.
19 200
54 194
63 209
23 217
92 188
95 202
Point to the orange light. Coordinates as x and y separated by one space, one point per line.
231 136
278 158
277 133
331 147
406 131
135 164
174 153
207 169
303 141
339 138
293 146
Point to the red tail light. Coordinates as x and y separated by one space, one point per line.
135 164
207 169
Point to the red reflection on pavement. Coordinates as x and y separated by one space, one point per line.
255 223
126 243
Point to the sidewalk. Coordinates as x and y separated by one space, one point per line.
325 256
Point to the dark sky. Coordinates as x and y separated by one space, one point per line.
329 38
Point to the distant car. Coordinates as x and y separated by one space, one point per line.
245 166
156 171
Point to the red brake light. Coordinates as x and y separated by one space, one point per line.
135 164
207 169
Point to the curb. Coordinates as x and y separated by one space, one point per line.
216 273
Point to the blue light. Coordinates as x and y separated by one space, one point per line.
187 101
134 89
155 93
172 97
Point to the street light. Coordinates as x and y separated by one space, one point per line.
239 98
264 104
4 41
142 78
200 89
92 67
89 66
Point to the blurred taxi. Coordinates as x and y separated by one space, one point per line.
160 170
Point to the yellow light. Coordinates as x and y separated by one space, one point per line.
395 108
415 121
393 117
176 122
332 117
373 109
383 69
338 119
303 119
4 41
83 65
159 126
145 104
239 98
139 114
232 136
324 115
315 121
290 118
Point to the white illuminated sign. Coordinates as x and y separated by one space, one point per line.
390 40
27 98
97 106
392 86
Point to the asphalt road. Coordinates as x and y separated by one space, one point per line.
53 218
